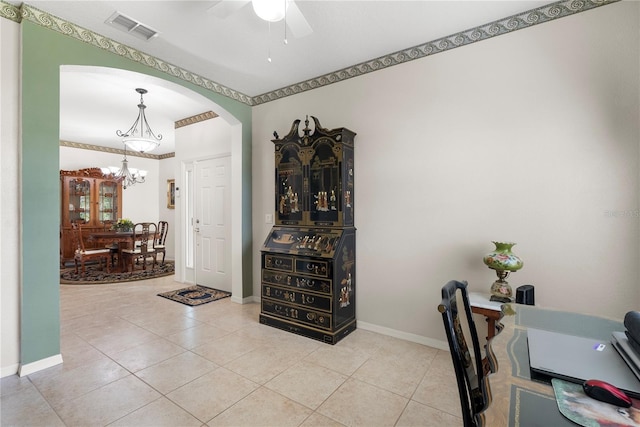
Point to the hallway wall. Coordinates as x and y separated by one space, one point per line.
531 137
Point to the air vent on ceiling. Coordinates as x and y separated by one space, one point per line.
131 26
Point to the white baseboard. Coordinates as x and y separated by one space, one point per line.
9 370
39 365
430 342
246 300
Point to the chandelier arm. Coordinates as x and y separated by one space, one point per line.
144 134
145 123
128 178
132 129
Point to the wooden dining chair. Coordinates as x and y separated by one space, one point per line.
143 237
107 225
81 254
473 384
159 242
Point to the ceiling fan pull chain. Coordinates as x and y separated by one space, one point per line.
285 22
269 43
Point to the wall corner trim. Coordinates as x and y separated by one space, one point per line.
247 300
7 371
39 365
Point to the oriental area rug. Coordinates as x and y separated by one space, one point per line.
195 295
95 276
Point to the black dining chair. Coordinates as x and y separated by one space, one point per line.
473 384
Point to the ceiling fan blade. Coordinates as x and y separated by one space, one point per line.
225 8
296 21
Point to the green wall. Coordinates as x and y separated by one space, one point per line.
43 52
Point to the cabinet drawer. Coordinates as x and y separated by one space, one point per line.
300 282
312 267
300 315
306 299
278 262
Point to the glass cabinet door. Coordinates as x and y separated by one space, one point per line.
324 185
107 201
79 200
289 191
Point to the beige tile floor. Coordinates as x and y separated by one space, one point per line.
132 358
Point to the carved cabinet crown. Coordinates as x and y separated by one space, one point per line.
314 176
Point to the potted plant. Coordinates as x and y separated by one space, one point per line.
123 224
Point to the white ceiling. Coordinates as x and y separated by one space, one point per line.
233 51
95 102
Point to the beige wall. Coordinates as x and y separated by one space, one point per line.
10 183
530 137
433 188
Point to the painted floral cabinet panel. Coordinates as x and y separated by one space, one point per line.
308 258
315 176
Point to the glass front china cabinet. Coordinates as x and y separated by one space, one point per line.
90 198
308 272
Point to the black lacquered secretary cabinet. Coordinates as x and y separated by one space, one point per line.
308 259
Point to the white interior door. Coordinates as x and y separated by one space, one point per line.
212 223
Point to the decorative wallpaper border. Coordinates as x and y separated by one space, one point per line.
546 13
507 25
114 150
11 12
195 119
54 23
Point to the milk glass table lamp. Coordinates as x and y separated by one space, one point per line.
503 261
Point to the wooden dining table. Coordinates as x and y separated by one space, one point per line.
517 400
123 239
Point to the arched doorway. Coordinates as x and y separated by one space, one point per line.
44 51
94 124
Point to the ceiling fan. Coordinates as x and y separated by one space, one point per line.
269 10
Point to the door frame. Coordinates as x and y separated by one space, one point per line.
187 206
192 204
241 293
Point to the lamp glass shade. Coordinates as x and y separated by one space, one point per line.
141 145
501 258
503 261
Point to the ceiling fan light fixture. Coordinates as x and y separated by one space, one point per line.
270 10
140 137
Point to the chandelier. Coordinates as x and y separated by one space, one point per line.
129 176
140 137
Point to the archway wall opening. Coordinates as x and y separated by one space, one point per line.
44 51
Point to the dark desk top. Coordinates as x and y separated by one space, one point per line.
517 400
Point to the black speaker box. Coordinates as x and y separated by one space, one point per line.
525 295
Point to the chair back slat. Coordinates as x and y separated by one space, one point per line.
163 228
144 235
76 237
81 254
473 385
